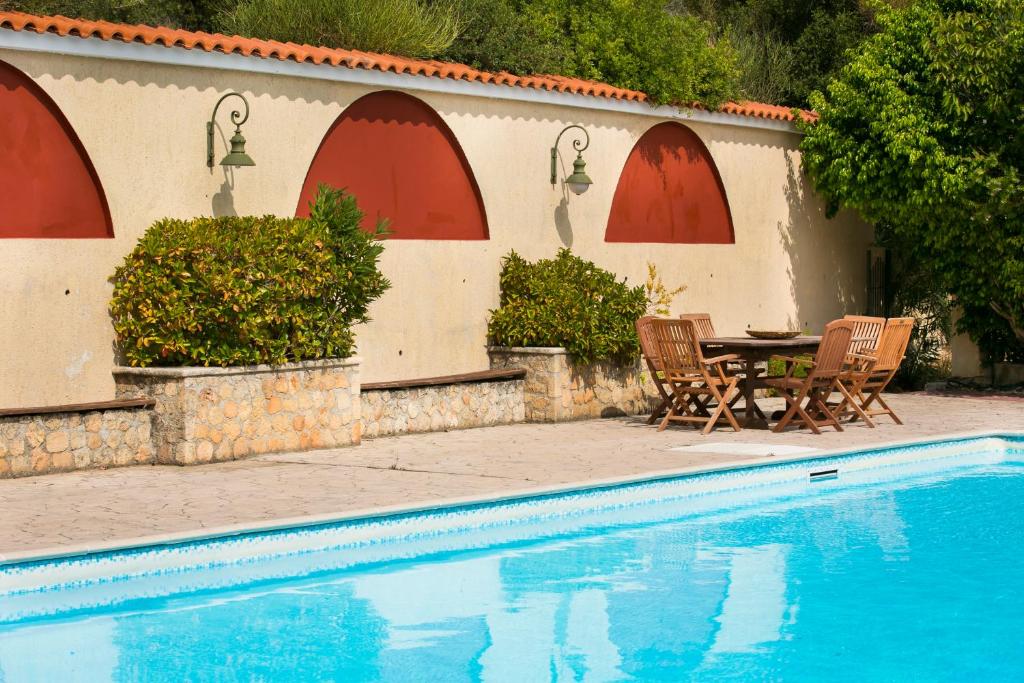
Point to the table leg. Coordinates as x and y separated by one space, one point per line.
753 418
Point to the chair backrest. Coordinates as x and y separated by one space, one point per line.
867 335
893 345
649 347
835 344
701 324
678 346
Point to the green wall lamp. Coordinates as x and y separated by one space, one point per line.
579 182
237 155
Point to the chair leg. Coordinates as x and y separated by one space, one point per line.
876 396
819 400
732 388
721 408
680 406
888 411
848 400
663 406
794 406
668 416
811 423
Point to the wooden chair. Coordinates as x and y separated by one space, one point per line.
649 348
701 323
867 333
691 377
809 395
706 330
867 381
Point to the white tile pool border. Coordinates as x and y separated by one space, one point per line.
227 531
65 584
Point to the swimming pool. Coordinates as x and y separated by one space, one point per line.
897 564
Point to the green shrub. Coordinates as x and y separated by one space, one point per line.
411 28
569 302
636 44
248 290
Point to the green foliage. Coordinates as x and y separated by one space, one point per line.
777 368
568 302
638 44
411 28
786 48
921 134
248 290
659 296
191 15
635 44
518 36
915 295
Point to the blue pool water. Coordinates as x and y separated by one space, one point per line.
908 565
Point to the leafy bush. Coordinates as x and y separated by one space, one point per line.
410 28
191 15
568 302
248 290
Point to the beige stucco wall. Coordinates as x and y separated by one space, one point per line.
143 126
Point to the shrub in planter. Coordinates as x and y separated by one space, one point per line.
569 302
245 290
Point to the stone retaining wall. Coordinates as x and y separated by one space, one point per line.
558 390
442 407
215 414
60 440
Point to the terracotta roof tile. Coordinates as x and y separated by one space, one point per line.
352 59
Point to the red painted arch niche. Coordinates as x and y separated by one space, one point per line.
670 191
48 186
402 162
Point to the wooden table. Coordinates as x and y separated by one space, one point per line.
752 351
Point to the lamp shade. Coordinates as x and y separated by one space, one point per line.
237 155
579 182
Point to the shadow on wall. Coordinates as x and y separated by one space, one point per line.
562 223
821 285
223 201
204 82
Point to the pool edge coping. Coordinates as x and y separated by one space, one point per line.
278 524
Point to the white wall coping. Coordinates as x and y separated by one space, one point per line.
217 371
30 41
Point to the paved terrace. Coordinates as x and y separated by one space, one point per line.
104 506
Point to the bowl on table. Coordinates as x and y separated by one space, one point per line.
773 334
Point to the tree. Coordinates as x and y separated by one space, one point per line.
922 134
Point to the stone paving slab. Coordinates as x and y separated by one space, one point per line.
101 506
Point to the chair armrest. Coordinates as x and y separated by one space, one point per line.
859 356
721 359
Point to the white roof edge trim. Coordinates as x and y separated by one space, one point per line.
31 41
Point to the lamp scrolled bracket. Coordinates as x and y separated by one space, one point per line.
237 155
579 181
